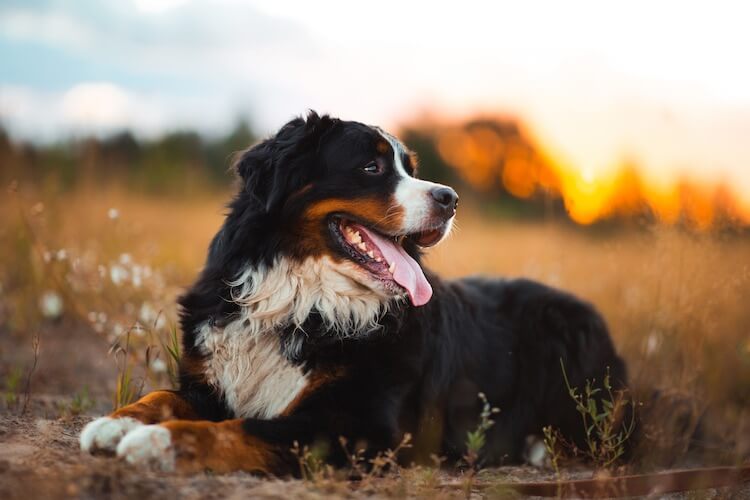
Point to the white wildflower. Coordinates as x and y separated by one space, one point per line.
137 272
113 213
147 314
653 342
158 366
118 274
117 330
51 304
161 322
151 317
37 209
139 330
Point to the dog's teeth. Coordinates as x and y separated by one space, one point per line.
392 268
378 259
356 237
362 247
371 254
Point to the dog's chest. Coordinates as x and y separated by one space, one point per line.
255 379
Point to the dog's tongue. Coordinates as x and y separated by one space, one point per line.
408 274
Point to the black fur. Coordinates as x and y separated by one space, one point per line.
421 371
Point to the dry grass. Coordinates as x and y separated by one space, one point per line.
677 304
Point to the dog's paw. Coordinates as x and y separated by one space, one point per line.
103 434
149 445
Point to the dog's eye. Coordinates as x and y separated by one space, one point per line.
373 168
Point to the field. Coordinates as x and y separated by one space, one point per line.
87 321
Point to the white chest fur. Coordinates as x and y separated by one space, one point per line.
244 359
250 371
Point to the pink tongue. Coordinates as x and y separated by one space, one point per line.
408 274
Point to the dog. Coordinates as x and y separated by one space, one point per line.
314 320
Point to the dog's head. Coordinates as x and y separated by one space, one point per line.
338 200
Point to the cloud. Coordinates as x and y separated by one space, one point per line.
97 105
103 107
595 81
186 37
173 60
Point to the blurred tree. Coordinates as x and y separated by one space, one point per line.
121 151
219 152
492 162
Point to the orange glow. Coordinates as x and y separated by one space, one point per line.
475 153
490 154
586 196
664 201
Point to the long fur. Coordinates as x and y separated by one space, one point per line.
285 331
287 292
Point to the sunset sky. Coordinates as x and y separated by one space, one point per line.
661 84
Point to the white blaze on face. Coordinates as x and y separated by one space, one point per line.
414 195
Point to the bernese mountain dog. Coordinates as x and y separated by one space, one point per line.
314 319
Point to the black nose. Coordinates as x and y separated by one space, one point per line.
446 198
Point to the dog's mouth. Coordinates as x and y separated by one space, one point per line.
384 256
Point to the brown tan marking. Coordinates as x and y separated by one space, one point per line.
315 381
382 214
382 147
373 210
158 406
221 447
193 367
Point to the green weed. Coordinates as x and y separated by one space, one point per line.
126 390
601 412
171 346
81 402
475 441
12 386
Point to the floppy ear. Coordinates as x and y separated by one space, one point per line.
282 164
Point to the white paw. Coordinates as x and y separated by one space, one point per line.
104 433
148 445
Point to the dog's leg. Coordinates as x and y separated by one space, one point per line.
158 406
103 434
194 446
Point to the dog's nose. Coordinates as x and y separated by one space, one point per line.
446 198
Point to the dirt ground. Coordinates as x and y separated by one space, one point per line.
40 456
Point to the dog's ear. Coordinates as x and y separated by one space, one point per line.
282 164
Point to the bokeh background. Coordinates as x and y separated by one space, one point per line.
603 148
